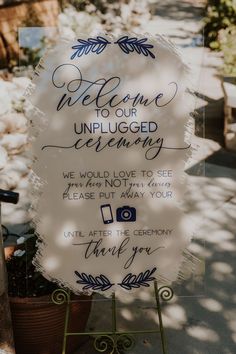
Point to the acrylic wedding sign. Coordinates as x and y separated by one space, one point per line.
112 142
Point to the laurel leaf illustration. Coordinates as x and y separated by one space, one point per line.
90 282
94 45
131 281
128 45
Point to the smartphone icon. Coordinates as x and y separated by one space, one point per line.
106 212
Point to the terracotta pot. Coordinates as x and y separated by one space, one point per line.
38 324
9 251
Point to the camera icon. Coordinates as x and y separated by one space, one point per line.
126 214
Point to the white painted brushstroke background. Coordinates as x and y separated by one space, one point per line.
57 258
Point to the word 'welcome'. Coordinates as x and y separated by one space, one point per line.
102 92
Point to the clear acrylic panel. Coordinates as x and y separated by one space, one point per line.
34 41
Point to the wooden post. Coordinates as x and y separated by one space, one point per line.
6 334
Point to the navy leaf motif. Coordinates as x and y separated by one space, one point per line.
135 281
94 45
132 44
100 282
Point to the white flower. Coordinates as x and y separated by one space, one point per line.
67 33
20 240
64 19
13 141
74 23
5 100
19 253
3 157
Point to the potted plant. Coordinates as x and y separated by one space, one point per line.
38 323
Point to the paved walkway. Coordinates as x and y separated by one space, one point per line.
204 323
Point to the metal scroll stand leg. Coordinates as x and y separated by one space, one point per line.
159 293
63 297
115 341
6 334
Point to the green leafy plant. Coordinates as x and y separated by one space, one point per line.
227 40
220 15
23 279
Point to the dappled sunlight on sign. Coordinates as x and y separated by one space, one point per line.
203 334
127 314
51 263
222 268
113 153
211 304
